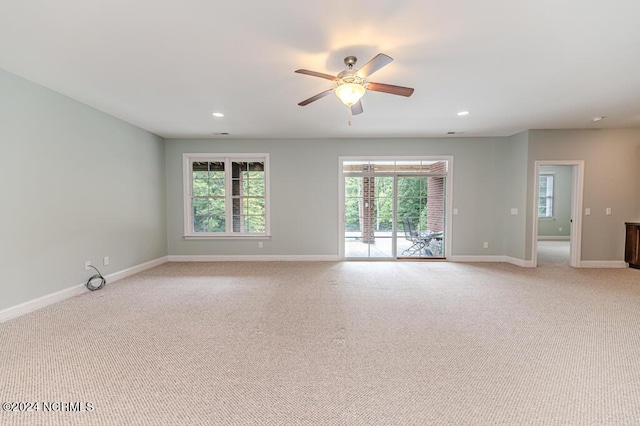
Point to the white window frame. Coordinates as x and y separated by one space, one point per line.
187 161
550 200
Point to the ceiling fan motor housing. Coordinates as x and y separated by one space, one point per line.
350 61
350 76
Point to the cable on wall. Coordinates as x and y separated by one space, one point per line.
97 276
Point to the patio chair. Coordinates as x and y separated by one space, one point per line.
418 243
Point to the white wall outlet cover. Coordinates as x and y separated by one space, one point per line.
608 211
514 211
587 211
455 210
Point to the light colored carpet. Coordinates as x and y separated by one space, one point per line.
555 252
352 343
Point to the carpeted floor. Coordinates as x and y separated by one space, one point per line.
351 343
553 252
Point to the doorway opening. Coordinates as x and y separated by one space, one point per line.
557 220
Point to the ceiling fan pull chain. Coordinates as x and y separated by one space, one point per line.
349 115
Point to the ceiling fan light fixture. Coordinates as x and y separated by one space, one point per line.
350 93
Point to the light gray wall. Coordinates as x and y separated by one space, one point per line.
514 181
612 179
77 185
304 191
562 182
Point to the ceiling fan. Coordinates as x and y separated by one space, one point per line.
352 83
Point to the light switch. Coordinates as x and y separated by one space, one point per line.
455 210
587 211
608 211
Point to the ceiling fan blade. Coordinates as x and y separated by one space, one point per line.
389 88
315 98
356 108
379 61
317 74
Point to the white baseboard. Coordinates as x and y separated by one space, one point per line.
116 276
519 262
41 302
529 263
253 258
603 264
477 259
554 238
49 299
504 259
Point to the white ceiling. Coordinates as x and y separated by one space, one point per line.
166 65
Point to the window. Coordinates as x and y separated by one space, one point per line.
226 195
545 196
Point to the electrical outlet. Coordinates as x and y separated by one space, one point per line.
485 245
514 211
559 229
608 211
87 265
105 260
587 211
260 244
455 210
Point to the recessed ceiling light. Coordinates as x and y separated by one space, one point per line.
463 113
594 119
218 114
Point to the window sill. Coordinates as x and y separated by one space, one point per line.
546 218
226 237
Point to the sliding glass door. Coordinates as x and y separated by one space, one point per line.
369 216
421 217
394 209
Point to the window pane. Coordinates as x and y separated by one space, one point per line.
382 166
255 171
352 186
249 224
216 224
353 225
200 166
254 206
216 183
254 224
200 206
408 166
384 224
216 207
199 223
208 224
208 214
545 194
200 187
253 187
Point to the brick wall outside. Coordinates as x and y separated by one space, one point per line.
368 206
436 199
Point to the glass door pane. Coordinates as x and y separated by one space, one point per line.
368 224
421 217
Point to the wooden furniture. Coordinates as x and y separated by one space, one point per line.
632 246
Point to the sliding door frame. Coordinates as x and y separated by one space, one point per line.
448 197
